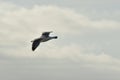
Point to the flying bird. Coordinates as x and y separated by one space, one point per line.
44 37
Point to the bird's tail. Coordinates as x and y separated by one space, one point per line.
32 41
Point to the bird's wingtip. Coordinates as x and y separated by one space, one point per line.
33 49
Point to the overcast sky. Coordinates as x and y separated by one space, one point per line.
87 47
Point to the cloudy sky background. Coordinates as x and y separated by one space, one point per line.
87 47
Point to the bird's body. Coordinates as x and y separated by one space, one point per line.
45 37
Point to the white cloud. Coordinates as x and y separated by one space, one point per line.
72 52
52 17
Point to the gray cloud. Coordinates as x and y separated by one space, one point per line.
36 70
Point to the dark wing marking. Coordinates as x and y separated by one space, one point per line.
46 34
35 44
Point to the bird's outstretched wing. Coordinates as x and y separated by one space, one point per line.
35 44
46 34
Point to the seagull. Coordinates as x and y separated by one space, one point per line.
44 37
